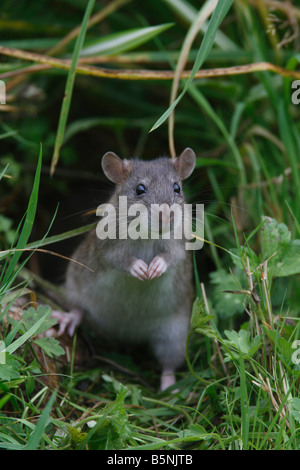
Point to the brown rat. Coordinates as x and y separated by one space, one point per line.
140 290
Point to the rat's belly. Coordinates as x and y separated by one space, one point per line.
126 308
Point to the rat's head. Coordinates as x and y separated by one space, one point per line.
155 182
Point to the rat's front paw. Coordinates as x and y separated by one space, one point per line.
157 267
139 269
67 321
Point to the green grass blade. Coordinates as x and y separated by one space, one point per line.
206 45
3 172
277 416
36 436
288 132
22 339
28 222
182 8
69 87
297 224
187 12
244 404
121 42
62 236
197 280
204 104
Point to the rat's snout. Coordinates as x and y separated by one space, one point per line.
163 217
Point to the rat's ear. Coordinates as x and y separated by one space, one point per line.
185 163
115 169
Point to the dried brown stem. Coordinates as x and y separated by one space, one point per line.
127 74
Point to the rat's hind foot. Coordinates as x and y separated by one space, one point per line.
167 379
67 321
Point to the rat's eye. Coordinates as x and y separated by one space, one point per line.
176 188
141 189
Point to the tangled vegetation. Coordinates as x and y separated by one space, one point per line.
150 78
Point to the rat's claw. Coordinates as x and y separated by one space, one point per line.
157 267
139 269
67 321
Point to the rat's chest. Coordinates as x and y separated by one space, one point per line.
128 307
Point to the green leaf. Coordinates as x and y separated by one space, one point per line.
10 370
242 342
32 323
194 430
239 257
124 41
276 239
31 332
294 404
227 304
200 320
206 45
50 345
32 315
198 311
290 261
